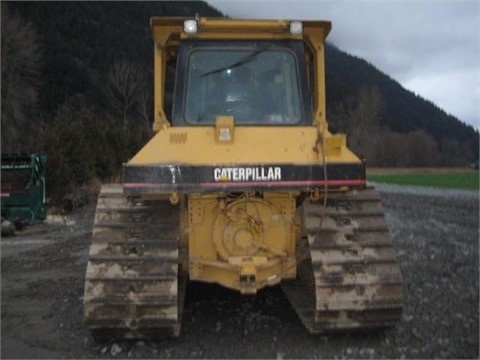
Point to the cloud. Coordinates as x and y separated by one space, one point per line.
448 89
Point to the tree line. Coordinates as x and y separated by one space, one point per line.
362 117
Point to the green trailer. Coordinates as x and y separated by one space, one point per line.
23 188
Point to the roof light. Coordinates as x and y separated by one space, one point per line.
296 27
190 26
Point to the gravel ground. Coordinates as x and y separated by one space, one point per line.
436 237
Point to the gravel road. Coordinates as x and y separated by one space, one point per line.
435 235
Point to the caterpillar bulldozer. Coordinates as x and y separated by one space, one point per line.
242 185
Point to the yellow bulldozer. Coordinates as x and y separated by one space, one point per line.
242 185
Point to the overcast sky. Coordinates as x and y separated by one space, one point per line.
431 47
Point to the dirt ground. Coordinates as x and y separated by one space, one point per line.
436 238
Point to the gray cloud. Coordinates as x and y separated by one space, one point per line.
431 47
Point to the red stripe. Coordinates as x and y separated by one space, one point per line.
253 183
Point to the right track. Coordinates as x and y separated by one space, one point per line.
348 277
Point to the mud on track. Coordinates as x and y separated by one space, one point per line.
435 235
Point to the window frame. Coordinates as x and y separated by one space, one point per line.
295 48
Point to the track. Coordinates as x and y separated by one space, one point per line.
133 287
349 277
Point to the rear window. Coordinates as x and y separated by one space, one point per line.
254 85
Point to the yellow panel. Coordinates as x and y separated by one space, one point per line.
252 144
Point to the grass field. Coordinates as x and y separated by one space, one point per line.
442 178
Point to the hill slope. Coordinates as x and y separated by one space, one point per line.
83 39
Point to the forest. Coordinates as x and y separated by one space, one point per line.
76 84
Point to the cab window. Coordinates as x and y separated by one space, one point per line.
255 86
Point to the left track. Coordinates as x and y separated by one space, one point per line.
133 286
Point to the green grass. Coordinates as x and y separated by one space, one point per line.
466 180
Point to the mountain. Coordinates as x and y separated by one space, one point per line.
404 111
81 41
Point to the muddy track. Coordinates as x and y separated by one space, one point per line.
356 282
435 238
132 287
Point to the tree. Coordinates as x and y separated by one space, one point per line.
21 61
455 153
126 93
89 137
83 145
359 117
392 150
422 149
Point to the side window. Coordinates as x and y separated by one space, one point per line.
171 68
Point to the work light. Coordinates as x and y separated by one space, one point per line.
190 26
296 27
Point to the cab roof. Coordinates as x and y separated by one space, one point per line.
228 28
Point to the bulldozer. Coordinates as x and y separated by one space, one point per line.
242 185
